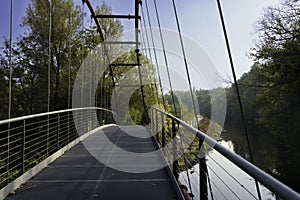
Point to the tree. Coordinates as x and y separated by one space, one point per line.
278 98
66 21
70 44
278 29
204 102
3 86
127 79
279 54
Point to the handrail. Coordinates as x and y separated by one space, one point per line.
24 143
6 121
267 180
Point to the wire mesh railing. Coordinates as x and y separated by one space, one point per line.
207 169
26 141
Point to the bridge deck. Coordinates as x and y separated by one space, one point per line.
79 174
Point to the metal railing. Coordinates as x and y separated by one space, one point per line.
26 141
212 179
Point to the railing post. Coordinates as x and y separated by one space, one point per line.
23 147
153 123
93 119
202 172
8 153
156 125
81 122
58 119
163 134
48 132
175 161
68 126
152 120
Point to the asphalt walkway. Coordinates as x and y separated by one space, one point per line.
100 167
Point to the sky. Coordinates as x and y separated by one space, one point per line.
199 21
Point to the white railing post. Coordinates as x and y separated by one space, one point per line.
23 146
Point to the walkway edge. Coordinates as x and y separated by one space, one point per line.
11 187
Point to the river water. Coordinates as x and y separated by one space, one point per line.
226 180
229 182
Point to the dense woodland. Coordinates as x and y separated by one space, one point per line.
270 94
270 90
73 36
30 57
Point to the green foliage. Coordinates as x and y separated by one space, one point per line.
270 94
204 101
70 44
131 76
278 98
269 90
183 104
8 177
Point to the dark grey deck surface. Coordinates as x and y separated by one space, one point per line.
79 175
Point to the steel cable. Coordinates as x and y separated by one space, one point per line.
10 59
237 88
223 182
145 50
165 55
185 62
154 51
232 176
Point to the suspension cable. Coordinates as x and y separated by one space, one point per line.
81 57
219 190
69 59
154 51
230 175
49 53
164 53
137 52
209 185
146 34
186 65
69 67
186 165
99 29
226 185
185 62
91 68
10 58
143 43
237 89
49 72
150 56
10 84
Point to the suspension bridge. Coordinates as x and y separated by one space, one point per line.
88 152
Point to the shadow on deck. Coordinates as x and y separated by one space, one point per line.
78 174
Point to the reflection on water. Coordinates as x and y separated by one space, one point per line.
269 152
276 155
226 180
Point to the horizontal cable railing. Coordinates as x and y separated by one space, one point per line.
207 168
28 140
